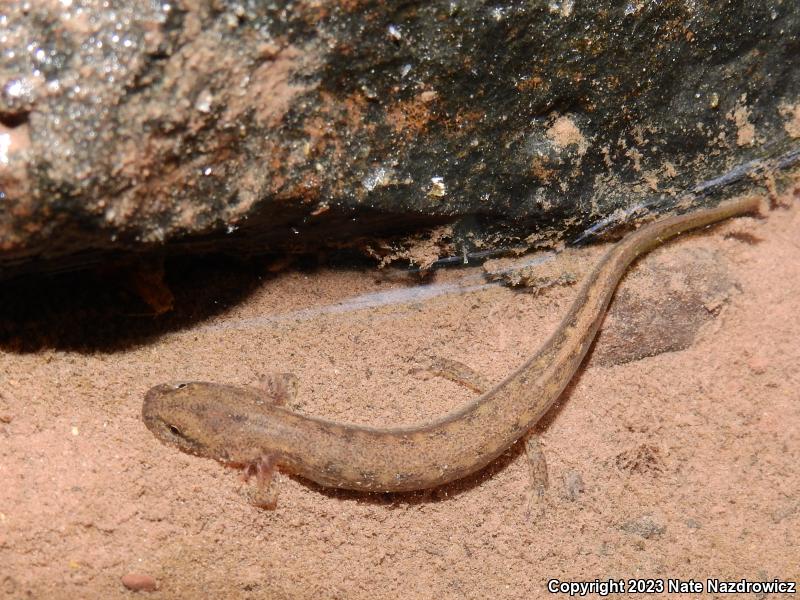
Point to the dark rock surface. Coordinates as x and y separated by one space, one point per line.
254 126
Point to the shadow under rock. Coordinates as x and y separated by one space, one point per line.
104 310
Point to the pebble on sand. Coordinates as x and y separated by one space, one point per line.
139 582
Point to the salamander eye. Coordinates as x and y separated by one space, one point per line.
174 431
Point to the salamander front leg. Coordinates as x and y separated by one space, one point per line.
265 493
279 389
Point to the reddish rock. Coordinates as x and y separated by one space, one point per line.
139 582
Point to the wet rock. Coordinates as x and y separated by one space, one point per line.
253 126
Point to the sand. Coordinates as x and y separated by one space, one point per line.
674 453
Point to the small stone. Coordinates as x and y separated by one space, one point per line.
269 50
428 96
139 582
758 364
692 524
573 485
645 526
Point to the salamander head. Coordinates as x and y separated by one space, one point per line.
200 418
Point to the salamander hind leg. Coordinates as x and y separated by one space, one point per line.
537 474
455 371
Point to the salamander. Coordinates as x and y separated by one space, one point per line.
244 427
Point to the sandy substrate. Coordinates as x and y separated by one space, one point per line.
674 453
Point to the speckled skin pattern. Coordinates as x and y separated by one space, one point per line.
243 427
